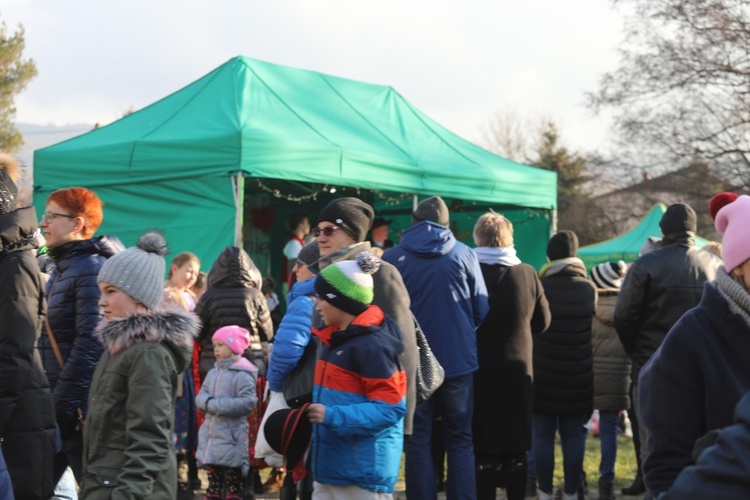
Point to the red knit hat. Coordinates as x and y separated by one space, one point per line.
718 201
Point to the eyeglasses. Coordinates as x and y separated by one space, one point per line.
47 216
328 230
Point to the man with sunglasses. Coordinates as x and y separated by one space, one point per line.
341 230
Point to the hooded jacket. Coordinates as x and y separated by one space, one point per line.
127 447
563 365
227 397
73 312
660 287
392 297
360 380
447 291
293 335
233 298
27 415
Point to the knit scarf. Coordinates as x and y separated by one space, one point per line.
505 256
734 293
557 266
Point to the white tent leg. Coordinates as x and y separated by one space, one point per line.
415 204
238 187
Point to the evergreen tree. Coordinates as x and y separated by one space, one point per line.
15 74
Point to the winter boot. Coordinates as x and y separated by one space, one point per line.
605 492
637 488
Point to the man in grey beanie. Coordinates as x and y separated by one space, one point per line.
449 299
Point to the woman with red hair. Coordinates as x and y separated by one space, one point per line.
69 222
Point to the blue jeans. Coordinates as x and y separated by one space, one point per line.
573 440
454 401
608 437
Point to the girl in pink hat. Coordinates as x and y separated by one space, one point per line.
227 397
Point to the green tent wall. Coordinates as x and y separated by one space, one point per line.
181 164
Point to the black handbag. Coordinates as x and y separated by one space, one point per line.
430 374
298 385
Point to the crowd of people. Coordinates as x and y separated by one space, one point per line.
115 376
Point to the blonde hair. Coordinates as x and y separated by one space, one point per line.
493 230
713 247
181 259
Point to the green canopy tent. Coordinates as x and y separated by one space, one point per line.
627 246
181 163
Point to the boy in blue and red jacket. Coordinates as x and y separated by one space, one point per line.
359 399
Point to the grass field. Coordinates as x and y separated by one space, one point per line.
625 466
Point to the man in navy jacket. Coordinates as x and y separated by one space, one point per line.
449 298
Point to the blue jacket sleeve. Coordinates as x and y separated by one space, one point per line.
290 341
71 391
722 469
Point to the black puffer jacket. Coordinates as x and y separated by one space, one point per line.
659 288
233 298
563 364
73 311
27 416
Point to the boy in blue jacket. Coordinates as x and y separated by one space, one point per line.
359 398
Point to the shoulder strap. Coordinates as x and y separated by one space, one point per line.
53 343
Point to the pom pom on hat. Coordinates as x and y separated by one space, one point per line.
609 275
719 201
233 336
732 222
139 270
348 284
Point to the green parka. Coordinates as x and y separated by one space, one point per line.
127 451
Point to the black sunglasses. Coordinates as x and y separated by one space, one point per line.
328 230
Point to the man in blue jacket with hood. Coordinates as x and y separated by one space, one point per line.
449 299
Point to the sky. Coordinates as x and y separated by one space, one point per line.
461 63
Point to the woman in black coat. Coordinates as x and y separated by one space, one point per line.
503 383
563 366
27 416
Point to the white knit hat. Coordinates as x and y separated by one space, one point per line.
609 274
139 270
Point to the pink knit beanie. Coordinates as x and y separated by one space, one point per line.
235 337
733 222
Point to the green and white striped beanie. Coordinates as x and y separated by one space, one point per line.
348 284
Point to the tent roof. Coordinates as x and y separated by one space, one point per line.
627 246
272 121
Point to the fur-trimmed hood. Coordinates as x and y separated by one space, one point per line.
176 328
